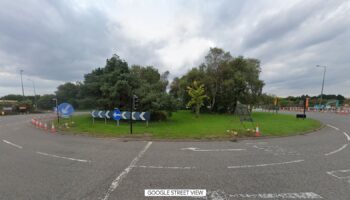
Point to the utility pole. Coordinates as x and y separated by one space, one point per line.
324 75
21 71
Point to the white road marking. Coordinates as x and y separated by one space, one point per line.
249 143
67 158
163 167
301 195
197 149
333 127
125 172
264 165
10 143
347 136
332 173
336 151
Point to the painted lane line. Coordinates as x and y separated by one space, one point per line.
67 158
264 165
346 176
163 167
10 143
347 136
333 127
250 143
336 151
115 183
206 150
302 195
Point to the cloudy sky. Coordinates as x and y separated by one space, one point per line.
58 41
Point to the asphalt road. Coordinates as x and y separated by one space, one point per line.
38 165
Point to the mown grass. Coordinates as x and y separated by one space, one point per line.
184 125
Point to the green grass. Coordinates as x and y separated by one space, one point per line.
184 125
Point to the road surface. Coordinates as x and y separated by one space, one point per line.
35 164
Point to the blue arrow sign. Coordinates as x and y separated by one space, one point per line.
117 115
94 114
65 109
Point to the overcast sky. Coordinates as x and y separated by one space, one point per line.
59 41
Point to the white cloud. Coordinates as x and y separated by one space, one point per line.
60 41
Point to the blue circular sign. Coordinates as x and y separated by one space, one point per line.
117 115
65 109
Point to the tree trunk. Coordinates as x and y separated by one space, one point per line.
197 110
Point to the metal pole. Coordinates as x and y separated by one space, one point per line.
58 116
131 105
324 75
21 71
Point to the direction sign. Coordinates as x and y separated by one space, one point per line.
117 115
126 115
94 113
144 116
65 109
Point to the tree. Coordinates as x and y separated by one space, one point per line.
226 80
197 94
45 102
68 92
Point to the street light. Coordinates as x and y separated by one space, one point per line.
324 74
21 71
34 92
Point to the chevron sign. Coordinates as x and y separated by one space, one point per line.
139 116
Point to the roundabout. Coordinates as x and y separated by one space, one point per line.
40 165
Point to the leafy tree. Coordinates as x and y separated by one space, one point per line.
226 80
68 92
45 102
197 94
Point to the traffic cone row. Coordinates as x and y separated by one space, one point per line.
39 124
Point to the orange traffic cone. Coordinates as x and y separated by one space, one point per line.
257 131
45 126
37 123
53 130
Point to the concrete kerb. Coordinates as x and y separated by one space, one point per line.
222 139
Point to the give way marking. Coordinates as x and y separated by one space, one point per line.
198 149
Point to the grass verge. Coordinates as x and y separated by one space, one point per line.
184 125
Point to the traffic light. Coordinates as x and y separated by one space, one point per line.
135 102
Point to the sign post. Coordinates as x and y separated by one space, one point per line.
117 115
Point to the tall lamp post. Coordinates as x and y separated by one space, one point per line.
21 71
34 93
324 74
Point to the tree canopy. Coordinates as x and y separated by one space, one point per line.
226 80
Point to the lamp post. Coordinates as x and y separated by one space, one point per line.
324 74
34 92
21 71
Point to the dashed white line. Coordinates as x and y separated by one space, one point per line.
264 165
163 167
67 158
207 150
347 136
15 145
336 151
125 172
333 127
